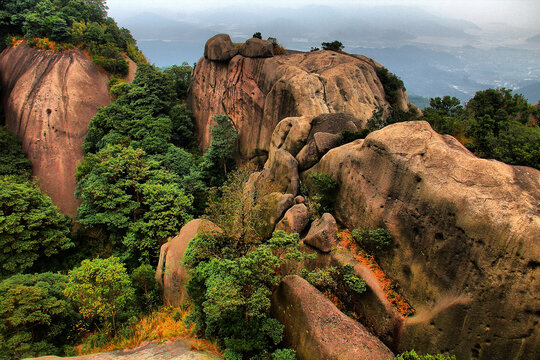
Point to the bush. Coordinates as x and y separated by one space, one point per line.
373 241
257 35
333 46
36 319
324 190
391 84
354 282
146 288
13 160
101 289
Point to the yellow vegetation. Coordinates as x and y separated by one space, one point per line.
164 324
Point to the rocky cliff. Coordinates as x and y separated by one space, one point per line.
49 99
467 232
257 92
466 229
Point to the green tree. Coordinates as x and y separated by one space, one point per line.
132 199
180 76
412 355
101 289
219 156
32 231
13 160
257 35
231 292
333 46
36 318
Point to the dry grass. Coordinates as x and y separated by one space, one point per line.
164 324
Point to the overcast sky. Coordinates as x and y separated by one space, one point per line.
522 13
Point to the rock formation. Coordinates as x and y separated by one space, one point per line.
49 99
317 330
323 233
169 350
467 233
171 274
259 92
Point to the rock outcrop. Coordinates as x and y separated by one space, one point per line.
259 92
171 274
317 330
256 48
295 219
467 236
323 233
49 99
219 48
169 350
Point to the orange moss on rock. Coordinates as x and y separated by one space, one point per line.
402 305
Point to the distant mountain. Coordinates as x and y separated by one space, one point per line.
531 91
434 56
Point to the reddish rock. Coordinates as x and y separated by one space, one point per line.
257 93
171 274
322 234
295 219
317 330
219 48
256 48
466 231
49 99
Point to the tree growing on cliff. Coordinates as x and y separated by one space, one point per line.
218 159
333 46
13 160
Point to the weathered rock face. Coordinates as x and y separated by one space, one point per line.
317 330
219 48
322 234
171 274
257 48
259 92
467 236
49 99
295 219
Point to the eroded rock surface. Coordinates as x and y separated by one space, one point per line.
317 330
259 92
295 219
171 274
322 234
49 99
467 236
219 48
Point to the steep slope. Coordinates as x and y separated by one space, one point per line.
49 99
258 92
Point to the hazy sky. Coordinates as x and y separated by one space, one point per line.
522 13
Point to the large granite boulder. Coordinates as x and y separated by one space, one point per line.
323 233
219 48
295 219
317 330
49 99
257 93
256 48
170 273
466 234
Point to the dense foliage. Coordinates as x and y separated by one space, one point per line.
35 317
31 228
233 272
101 289
493 124
373 241
323 192
391 84
334 46
138 181
67 23
13 160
